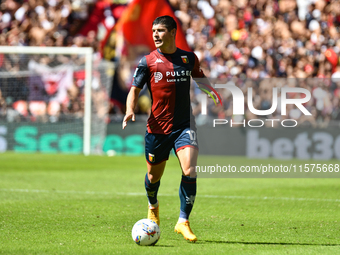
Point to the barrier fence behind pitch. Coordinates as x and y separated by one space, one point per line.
301 143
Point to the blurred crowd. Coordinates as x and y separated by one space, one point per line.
26 94
263 38
44 23
238 40
251 42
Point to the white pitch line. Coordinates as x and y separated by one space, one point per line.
168 195
57 191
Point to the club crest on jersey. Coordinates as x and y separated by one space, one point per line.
158 76
151 157
185 59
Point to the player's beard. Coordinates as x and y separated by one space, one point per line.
159 43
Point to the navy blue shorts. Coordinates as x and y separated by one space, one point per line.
158 146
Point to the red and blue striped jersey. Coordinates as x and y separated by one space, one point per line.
168 79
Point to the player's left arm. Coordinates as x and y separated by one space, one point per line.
203 82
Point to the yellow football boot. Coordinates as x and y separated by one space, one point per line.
153 214
184 229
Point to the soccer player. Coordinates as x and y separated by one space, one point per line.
167 71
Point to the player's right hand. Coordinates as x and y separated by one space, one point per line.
128 117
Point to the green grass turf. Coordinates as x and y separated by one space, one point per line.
71 204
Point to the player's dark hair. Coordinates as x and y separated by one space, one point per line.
167 21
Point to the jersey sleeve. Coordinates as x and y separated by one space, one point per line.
201 80
197 71
141 74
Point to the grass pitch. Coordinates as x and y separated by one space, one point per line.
71 204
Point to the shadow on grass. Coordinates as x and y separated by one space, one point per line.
266 243
163 245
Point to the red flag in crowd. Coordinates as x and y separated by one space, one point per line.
332 57
132 37
136 23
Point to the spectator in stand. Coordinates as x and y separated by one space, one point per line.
2 106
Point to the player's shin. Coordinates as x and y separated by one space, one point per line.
151 191
187 194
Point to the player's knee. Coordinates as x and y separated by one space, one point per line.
153 178
188 171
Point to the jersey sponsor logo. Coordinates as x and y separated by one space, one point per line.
151 157
175 75
185 59
158 60
158 76
178 73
